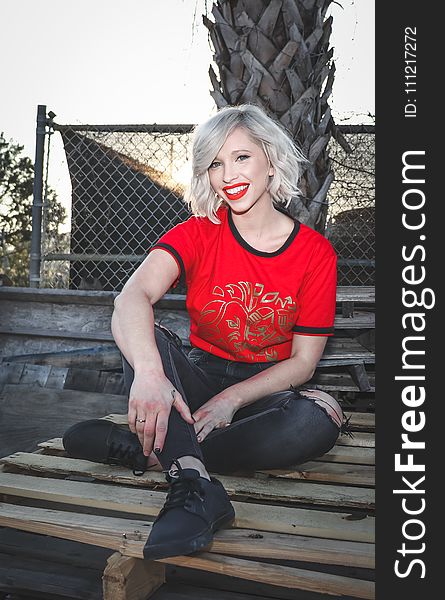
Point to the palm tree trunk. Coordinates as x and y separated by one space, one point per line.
276 54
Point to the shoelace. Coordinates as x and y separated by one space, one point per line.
121 453
180 489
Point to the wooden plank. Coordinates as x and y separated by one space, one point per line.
73 318
350 454
281 576
49 295
128 537
360 320
338 380
364 294
57 377
35 374
10 373
97 357
360 377
71 325
92 336
82 379
359 438
280 491
359 294
249 516
51 351
347 308
360 420
127 578
37 346
113 383
348 473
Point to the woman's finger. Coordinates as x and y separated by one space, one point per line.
139 430
182 408
161 430
199 424
131 418
204 432
149 434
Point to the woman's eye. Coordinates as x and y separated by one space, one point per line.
242 157
214 164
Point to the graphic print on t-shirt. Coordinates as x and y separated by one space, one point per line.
247 321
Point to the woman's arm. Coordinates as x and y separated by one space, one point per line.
293 371
132 325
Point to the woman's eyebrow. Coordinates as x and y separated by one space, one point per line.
218 156
237 151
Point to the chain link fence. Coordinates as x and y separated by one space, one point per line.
351 218
127 187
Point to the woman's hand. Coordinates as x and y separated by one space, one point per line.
215 413
150 401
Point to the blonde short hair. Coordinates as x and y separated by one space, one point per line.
281 151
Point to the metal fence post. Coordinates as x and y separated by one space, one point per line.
36 236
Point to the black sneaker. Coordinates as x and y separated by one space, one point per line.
102 441
195 508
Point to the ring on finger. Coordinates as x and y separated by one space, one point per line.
140 420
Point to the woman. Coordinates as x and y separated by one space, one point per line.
261 298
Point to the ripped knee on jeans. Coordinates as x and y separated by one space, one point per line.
329 404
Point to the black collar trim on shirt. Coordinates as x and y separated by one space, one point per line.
249 248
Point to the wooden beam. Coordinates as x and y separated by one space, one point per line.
140 502
360 294
349 474
360 376
319 470
281 490
349 454
127 578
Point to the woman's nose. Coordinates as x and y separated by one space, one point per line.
229 173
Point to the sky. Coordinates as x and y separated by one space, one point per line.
141 61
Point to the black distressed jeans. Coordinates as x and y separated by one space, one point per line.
279 430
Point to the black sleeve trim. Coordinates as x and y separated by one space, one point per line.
301 329
176 255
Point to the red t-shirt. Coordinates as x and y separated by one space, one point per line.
244 304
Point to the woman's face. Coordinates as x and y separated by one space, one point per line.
240 172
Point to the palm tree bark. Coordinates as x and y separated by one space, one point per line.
276 54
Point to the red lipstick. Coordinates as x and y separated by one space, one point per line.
236 191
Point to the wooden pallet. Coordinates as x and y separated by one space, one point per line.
308 528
